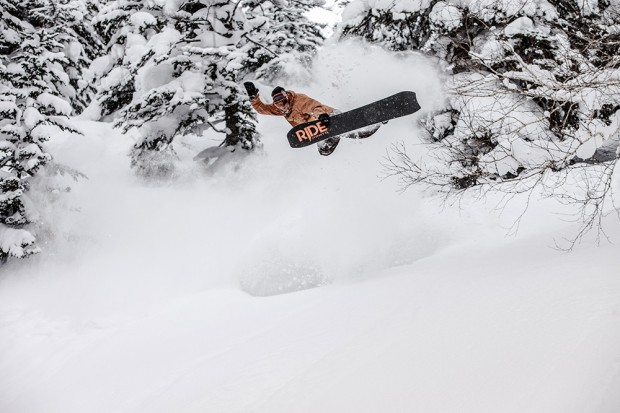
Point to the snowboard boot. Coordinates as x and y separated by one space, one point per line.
328 146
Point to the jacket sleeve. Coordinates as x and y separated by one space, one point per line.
263 108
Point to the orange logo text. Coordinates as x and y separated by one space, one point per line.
311 132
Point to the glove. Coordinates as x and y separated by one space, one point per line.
324 118
251 89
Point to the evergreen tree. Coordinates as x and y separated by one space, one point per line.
189 83
125 26
400 25
72 21
533 90
287 41
75 44
35 94
187 76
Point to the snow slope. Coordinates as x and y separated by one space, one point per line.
290 282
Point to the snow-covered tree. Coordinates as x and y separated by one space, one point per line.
398 25
178 68
287 40
71 20
68 22
534 92
36 92
125 27
187 81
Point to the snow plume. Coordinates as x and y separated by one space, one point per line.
353 73
324 219
293 228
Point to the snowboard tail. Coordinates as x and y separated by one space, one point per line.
395 106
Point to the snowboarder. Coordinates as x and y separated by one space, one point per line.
298 108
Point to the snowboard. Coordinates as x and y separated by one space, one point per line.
395 106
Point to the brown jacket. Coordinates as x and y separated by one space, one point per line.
303 108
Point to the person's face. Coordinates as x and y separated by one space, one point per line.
283 104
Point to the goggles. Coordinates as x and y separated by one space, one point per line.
279 97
